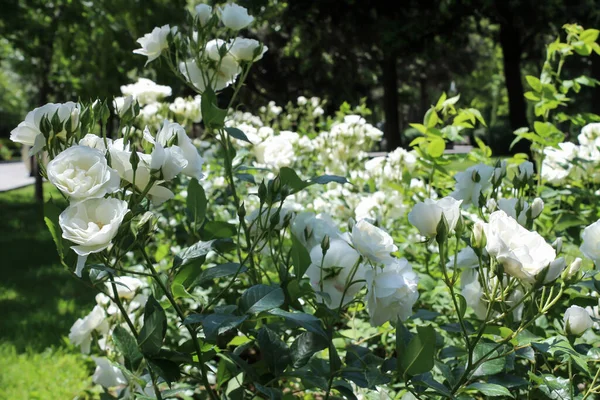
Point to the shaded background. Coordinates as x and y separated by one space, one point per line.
399 55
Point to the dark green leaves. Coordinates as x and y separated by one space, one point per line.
196 204
219 271
305 346
274 351
217 324
261 298
418 356
238 134
212 116
490 389
128 347
51 214
192 253
153 332
293 182
306 321
300 257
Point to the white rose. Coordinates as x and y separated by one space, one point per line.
275 151
471 182
81 172
577 320
392 291
555 268
95 142
318 112
245 49
120 158
219 79
472 291
330 274
203 12
145 91
28 132
81 331
525 170
311 229
523 254
302 100
235 17
172 130
372 242
91 225
590 245
127 286
466 258
123 105
106 374
427 215
509 206
154 43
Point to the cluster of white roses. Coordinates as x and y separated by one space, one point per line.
572 162
96 189
211 63
343 264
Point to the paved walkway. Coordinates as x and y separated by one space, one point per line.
14 175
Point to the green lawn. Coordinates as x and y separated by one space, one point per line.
39 301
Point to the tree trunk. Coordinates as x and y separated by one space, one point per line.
390 103
596 75
510 41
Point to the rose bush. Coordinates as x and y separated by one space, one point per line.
274 259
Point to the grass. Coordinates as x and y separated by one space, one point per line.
39 301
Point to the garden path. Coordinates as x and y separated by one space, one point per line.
14 175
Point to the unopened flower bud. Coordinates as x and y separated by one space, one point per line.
491 205
242 211
558 245
478 239
577 321
554 270
573 268
537 206
325 243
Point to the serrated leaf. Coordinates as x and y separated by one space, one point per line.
300 257
128 347
167 370
490 389
305 345
418 357
192 253
306 321
274 351
154 330
260 298
220 271
196 204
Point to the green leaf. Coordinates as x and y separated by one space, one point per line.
436 147
217 324
51 214
261 298
431 118
192 253
212 116
306 321
238 134
534 82
427 380
275 353
290 179
127 345
489 389
219 229
220 271
154 330
167 370
196 204
305 345
589 36
300 257
559 346
418 357
495 363
462 305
